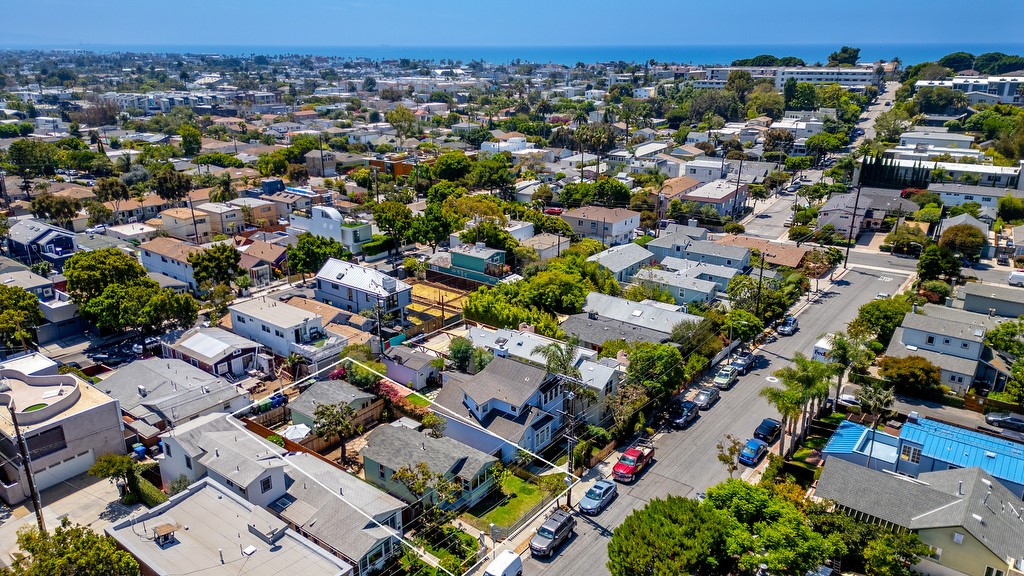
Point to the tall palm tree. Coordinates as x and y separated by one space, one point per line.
809 380
846 352
876 402
334 419
560 358
788 404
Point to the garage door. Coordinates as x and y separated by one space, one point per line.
68 468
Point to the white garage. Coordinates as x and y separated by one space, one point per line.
68 468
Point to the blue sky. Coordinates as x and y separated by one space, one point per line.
66 23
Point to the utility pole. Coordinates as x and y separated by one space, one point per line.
853 219
27 463
736 192
760 281
323 171
571 438
376 189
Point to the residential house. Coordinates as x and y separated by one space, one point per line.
673 189
657 316
844 214
949 510
547 245
160 393
350 518
321 163
393 447
210 529
926 445
624 261
273 254
366 406
411 367
261 270
474 262
286 330
705 170
682 246
610 226
217 446
506 406
256 210
774 253
992 299
215 350
594 330
224 218
288 202
169 256
936 137
66 424
518 229
32 241
356 288
720 275
328 222
60 313
727 197
132 210
683 287
135 232
953 340
185 224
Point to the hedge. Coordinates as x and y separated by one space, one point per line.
377 245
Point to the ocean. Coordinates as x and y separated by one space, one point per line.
569 55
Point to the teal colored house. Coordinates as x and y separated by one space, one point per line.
476 262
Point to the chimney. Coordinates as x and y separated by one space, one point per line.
423 446
960 489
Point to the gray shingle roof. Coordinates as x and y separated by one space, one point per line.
506 380
946 362
676 280
943 499
175 390
398 446
944 326
413 359
599 330
994 291
653 317
328 392
511 427
618 258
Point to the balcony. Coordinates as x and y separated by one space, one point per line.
319 349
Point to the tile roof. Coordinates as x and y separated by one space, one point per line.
265 251
326 311
171 247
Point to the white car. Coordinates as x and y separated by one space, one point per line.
97 229
848 400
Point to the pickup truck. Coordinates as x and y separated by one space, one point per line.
633 460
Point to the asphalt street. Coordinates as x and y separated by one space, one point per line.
686 461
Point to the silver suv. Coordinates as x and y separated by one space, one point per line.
555 530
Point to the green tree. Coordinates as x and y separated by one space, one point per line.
889 125
879 318
403 121
58 209
846 55
19 315
394 218
640 291
877 402
847 352
172 186
115 467
743 325
460 352
788 404
98 212
89 273
191 140
435 423
452 166
911 375
297 174
964 239
311 252
672 536
936 262
893 554
217 264
809 380
112 190
330 420
658 367
435 225
70 549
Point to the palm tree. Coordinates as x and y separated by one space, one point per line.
293 361
846 353
876 402
809 380
960 100
334 419
788 404
561 358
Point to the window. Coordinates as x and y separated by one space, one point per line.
931 340
167 449
350 294
265 485
188 462
934 553
911 454
969 198
227 407
265 328
945 341
990 571
958 538
278 333
239 319
163 259
963 345
380 471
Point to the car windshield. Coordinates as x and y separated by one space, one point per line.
724 374
545 532
594 493
628 460
702 396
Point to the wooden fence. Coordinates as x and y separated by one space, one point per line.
602 454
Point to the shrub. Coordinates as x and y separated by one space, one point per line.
275 439
149 494
377 245
734 228
937 287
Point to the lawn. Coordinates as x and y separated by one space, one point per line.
452 547
417 400
812 443
834 418
492 510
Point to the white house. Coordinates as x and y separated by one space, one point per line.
936 137
286 330
169 256
610 226
328 222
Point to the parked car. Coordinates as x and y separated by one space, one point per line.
633 461
706 398
598 497
1003 261
553 211
1005 420
768 430
97 229
743 362
508 563
848 400
555 530
726 377
882 296
682 413
789 326
752 452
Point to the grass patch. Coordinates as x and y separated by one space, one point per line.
496 509
35 407
834 418
417 400
815 442
454 548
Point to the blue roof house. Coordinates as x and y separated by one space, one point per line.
928 446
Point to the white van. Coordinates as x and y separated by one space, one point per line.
508 563
822 348
1016 278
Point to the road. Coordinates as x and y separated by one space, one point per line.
686 461
867 119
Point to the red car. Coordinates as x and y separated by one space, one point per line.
553 211
632 461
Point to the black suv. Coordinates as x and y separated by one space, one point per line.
768 430
1006 420
555 530
682 413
